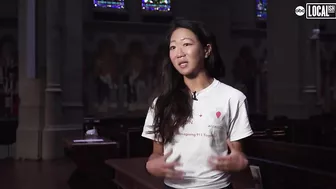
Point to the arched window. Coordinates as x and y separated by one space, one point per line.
113 4
261 9
156 5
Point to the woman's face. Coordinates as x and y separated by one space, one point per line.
186 52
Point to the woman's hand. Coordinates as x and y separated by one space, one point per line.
159 167
235 161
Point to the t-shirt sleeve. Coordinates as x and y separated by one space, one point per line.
148 127
239 122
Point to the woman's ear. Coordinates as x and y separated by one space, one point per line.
207 50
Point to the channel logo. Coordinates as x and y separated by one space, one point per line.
317 10
300 10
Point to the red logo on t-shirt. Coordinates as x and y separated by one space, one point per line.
218 114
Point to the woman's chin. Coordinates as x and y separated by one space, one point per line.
189 75
188 72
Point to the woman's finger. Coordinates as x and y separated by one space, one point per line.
173 174
223 167
220 163
171 165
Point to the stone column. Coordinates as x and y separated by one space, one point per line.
188 9
218 18
284 68
242 13
63 102
53 91
135 10
288 42
30 89
72 66
309 58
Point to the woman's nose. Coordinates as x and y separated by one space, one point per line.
180 53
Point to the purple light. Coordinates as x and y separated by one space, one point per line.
112 4
156 5
261 9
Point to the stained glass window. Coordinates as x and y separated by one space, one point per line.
261 9
114 4
156 5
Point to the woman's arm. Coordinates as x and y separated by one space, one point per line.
237 146
157 150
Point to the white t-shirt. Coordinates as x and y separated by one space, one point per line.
220 113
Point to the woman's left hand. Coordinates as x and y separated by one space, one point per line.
235 161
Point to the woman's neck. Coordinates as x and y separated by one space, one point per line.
201 81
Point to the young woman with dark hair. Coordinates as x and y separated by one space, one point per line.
196 122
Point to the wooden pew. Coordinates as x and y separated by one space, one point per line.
326 125
89 157
131 174
277 175
317 130
8 131
127 131
313 157
277 129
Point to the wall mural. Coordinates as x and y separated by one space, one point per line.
120 73
328 74
9 100
249 71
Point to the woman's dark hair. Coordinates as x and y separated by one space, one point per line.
173 106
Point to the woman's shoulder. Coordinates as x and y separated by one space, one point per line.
230 92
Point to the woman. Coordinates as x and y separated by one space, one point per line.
196 122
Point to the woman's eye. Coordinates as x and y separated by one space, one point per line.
187 44
172 47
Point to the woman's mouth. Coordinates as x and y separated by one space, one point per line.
183 64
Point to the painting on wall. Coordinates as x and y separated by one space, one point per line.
249 70
9 100
327 72
121 73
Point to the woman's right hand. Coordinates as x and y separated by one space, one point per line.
159 167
